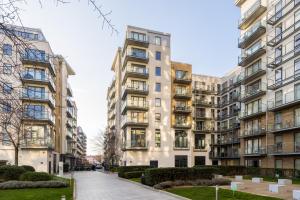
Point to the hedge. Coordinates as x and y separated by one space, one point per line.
11 172
135 174
35 176
158 175
30 184
123 169
28 168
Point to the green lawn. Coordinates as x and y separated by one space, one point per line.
37 194
138 180
208 193
273 179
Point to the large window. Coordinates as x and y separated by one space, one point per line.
253 146
35 111
38 74
199 141
138 36
138 137
181 120
34 92
35 54
138 101
138 85
297 117
254 107
36 135
297 68
5 139
253 68
181 140
180 74
138 117
297 43
5 107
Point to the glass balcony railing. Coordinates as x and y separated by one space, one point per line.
284 148
133 71
41 77
228 154
252 34
257 110
255 151
39 57
252 53
135 104
139 54
253 91
142 89
203 102
38 115
38 96
183 93
254 73
142 38
140 120
40 142
135 145
200 128
183 79
253 132
182 124
288 99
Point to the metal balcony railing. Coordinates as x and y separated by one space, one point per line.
253 91
287 100
260 109
284 148
287 6
283 126
255 151
253 33
259 131
29 94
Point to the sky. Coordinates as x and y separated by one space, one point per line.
204 33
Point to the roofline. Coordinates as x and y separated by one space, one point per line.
148 30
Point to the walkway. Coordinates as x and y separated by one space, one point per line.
95 185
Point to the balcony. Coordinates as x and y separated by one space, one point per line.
203 103
182 109
203 90
239 2
234 98
255 73
254 132
40 79
135 72
187 79
181 144
225 116
283 127
37 143
135 146
284 149
250 55
69 90
288 100
38 97
182 94
44 60
252 14
134 105
134 40
136 122
141 89
201 116
275 38
275 61
203 129
257 30
38 116
224 155
256 112
135 56
69 134
274 15
261 151
253 92
182 125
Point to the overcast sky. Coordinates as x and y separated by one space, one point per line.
203 33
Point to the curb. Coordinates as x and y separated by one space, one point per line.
155 190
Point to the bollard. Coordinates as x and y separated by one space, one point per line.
217 191
63 197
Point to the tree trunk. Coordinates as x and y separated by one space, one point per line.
17 156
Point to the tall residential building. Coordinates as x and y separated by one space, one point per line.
80 145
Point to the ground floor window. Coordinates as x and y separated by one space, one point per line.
154 163
253 163
181 161
199 160
278 164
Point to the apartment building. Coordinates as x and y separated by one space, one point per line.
80 154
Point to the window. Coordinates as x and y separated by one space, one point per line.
157 102
297 43
278 164
278 55
278 120
180 74
138 36
181 140
297 117
297 91
278 98
157 40
7 88
199 160
297 167
278 32
7 69
138 138
297 18
278 76
6 107
157 117
157 71
199 141
158 55
139 53
181 161
154 163
157 87
157 138
278 10
5 139
7 49
297 68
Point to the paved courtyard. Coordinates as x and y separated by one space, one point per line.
100 186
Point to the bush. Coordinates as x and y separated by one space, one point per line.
135 174
158 175
30 184
123 169
28 168
11 172
35 176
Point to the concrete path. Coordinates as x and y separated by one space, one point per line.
95 185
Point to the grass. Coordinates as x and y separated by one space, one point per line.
38 193
208 193
138 180
273 179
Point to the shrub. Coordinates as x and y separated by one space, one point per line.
35 176
11 172
123 169
30 184
135 174
158 175
28 168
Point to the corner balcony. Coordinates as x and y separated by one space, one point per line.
257 72
32 116
38 97
284 149
182 109
40 60
239 2
250 55
282 127
288 100
274 15
187 79
183 94
275 61
135 72
274 38
135 146
181 144
40 79
135 56
261 151
257 30
134 105
257 112
182 125
136 41
134 89
37 143
256 10
203 103
134 122
254 132
253 93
